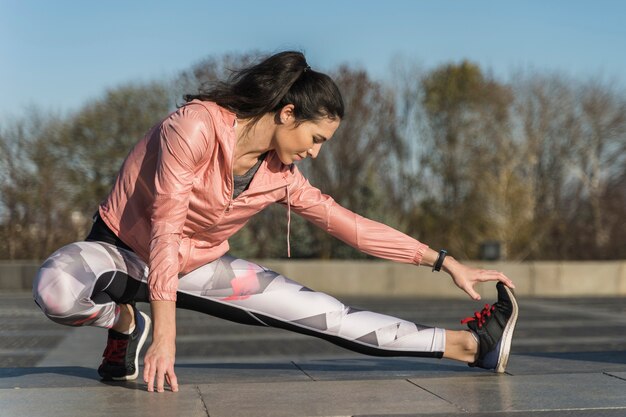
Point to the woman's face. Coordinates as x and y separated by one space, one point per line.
294 142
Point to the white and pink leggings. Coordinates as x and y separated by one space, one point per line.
82 283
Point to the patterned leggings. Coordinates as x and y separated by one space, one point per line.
82 283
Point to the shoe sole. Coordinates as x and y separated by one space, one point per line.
142 340
507 334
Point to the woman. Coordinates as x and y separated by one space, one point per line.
191 183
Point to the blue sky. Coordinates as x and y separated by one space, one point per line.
59 54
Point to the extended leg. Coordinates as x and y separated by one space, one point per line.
242 291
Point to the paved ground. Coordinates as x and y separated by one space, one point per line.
569 359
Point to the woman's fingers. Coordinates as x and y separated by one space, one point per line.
172 381
472 293
146 371
159 367
157 374
475 276
491 275
160 379
148 375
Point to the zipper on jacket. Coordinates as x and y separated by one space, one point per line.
231 194
288 222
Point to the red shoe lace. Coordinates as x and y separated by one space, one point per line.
480 316
115 351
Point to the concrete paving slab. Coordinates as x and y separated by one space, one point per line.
281 389
76 376
620 375
100 402
567 362
91 340
216 373
383 368
324 398
619 412
529 392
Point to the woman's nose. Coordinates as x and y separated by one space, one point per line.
315 150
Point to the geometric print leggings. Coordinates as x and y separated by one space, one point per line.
82 283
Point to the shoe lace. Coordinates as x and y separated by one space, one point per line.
115 350
480 316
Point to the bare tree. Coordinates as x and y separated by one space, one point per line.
599 154
614 205
469 161
55 170
575 145
546 125
31 200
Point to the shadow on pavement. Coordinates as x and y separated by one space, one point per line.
71 371
58 377
615 357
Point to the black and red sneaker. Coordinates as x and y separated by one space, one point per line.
494 327
120 360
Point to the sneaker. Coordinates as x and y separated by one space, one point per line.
120 358
493 327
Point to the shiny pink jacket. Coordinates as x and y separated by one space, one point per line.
172 200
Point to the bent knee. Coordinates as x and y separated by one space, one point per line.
53 292
62 282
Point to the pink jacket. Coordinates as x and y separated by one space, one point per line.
172 200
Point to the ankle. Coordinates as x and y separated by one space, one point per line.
125 320
472 345
461 346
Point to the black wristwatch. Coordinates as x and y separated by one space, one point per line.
440 259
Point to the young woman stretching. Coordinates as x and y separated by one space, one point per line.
161 235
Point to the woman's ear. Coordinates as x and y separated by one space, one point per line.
286 114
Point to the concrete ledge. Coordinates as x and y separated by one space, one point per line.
380 278
17 275
532 279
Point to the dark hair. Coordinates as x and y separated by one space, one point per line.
283 78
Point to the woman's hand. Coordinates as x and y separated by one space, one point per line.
160 357
159 366
466 277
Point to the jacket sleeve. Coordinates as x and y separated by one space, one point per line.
368 236
186 139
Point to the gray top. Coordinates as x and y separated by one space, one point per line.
242 182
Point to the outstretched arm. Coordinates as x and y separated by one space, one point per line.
377 239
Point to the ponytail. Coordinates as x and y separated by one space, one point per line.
283 78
